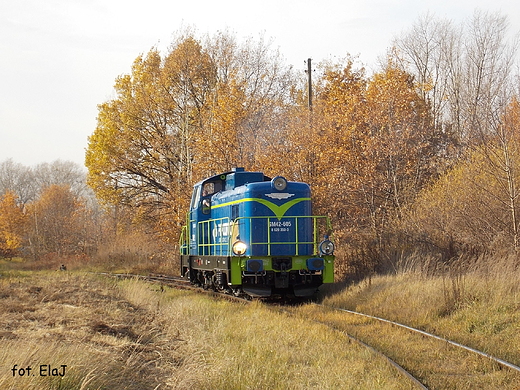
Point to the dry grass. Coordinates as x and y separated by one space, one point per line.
436 364
132 335
81 321
476 304
250 347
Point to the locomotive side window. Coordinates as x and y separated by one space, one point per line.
211 188
208 189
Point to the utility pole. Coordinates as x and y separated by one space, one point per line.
309 82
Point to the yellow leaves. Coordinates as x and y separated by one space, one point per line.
57 219
12 224
178 118
204 108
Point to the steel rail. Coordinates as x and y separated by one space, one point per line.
176 281
398 367
484 354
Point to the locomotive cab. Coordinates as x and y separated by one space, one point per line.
246 233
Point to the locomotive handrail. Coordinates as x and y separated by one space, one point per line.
223 229
183 243
224 244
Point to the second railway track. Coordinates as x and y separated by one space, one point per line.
436 362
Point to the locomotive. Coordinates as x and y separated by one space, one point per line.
248 234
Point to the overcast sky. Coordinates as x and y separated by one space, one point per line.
59 58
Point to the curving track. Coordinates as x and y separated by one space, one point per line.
473 350
436 361
413 380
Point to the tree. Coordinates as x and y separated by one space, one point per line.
248 104
18 178
12 225
500 162
508 139
57 222
429 51
197 111
474 206
28 182
140 154
61 172
465 73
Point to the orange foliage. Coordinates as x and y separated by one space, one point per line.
57 222
12 224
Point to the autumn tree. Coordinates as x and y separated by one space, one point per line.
57 221
140 151
380 142
507 164
367 148
473 208
249 104
466 73
12 225
338 122
199 110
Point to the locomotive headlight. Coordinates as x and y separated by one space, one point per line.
326 247
279 183
239 248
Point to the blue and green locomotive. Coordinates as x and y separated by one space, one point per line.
248 234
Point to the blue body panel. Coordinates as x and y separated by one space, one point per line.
249 209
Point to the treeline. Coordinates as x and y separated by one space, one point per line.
47 210
421 156
48 215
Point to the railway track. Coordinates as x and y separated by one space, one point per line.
419 345
434 361
175 282
423 333
412 380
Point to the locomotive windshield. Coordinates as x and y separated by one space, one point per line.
195 198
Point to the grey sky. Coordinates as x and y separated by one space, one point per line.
59 58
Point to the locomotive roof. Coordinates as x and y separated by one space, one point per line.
224 175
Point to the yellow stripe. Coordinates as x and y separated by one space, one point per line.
279 211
